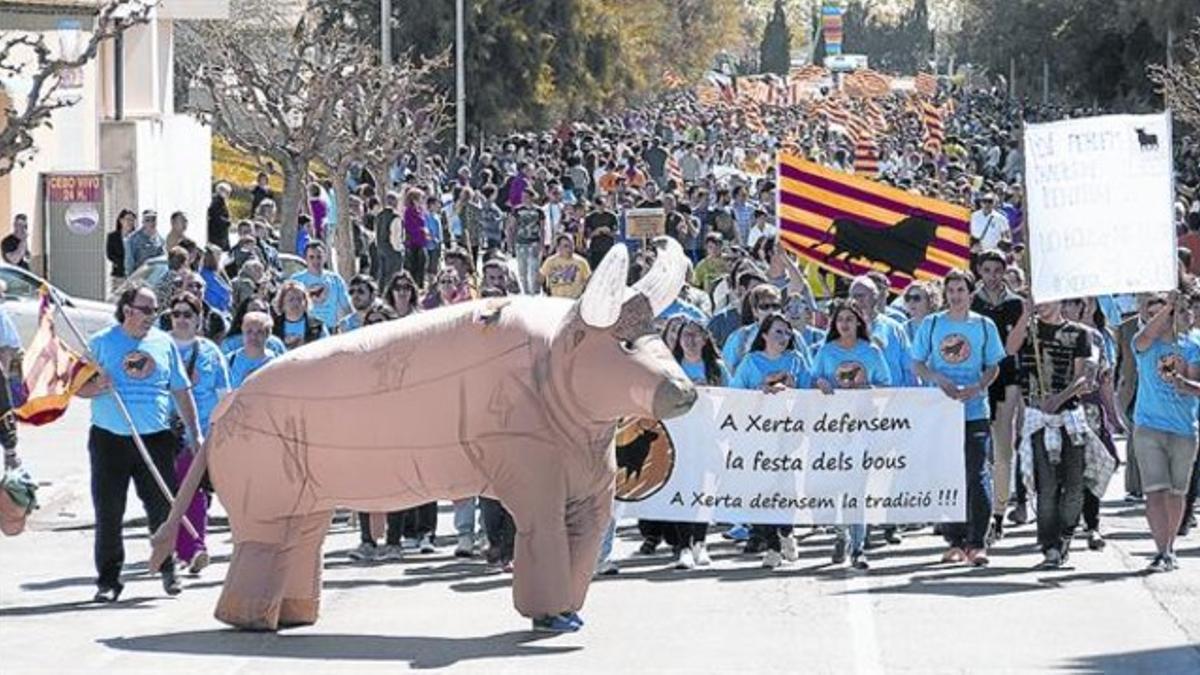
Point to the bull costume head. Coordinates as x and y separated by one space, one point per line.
514 398
612 328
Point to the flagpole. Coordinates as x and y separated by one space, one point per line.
137 438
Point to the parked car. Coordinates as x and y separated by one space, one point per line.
154 271
22 301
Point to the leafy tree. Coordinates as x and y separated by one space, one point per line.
775 52
1179 83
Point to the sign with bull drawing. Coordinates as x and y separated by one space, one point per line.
799 457
851 225
1101 198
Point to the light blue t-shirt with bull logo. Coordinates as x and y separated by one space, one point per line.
1159 405
144 371
961 350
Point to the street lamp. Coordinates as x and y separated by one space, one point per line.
460 78
385 32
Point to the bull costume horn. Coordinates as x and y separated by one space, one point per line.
662 283
600 304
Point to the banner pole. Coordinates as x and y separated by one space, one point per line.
137 438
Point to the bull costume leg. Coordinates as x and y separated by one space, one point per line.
276 583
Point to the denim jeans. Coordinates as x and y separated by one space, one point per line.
606 546
464 516
857 534
977 461
1059 491
529 259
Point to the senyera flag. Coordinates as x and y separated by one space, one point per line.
53 372
851 225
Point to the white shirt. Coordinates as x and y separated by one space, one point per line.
989 228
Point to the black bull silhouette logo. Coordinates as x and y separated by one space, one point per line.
902 247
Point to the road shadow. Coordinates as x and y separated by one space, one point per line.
1166 661
958 588
131 572
73 607
419 652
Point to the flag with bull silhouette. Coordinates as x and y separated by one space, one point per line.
851 225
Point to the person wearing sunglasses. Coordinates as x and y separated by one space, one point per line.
209 377
401 294
772 365
143 365
363 298
763 300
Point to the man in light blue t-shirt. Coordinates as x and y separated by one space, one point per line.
960 351
326 289
1164 417
142 364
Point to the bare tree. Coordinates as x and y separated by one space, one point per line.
28 55
1180 82
304 92
274 82
389 110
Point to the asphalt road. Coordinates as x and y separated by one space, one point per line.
909 613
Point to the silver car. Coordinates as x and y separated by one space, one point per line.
22 302
154 271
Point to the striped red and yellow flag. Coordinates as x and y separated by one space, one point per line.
851 225
866 158
935 132
926 85
672 81
53 371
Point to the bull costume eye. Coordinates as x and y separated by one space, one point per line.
628 346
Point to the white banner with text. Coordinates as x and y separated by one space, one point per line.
798 457
1100 192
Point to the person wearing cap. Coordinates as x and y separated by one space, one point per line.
145 243
989 226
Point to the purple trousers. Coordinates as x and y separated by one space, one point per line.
187 546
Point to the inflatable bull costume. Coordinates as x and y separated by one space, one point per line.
514 398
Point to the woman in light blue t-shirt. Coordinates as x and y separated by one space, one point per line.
697 354
773 365
849 360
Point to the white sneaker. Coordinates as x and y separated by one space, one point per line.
390 552
700 555
408 543
772 559
199 562
685 561
426 544
466 546
788 544
608 568
364 553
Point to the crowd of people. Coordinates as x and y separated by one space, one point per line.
1046 388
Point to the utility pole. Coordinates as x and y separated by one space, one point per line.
385 32
1045 81
460 77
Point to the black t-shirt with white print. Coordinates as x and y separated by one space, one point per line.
1059 345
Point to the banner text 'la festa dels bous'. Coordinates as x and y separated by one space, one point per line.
801 457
